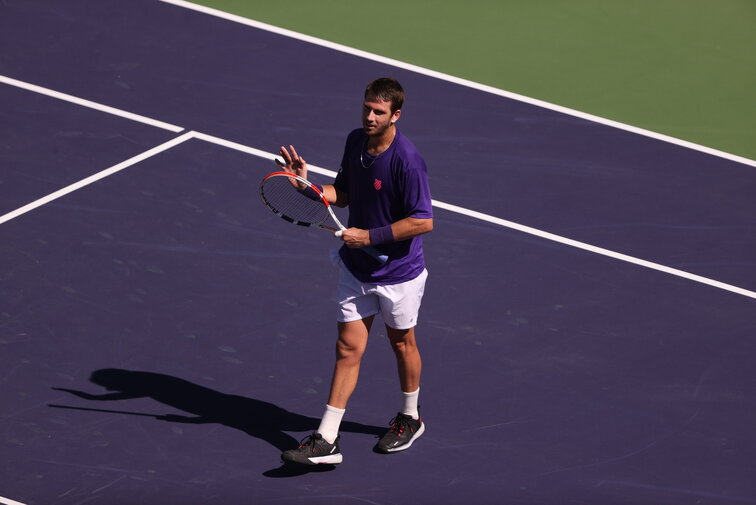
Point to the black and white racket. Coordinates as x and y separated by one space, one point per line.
298 201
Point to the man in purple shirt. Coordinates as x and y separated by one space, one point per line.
384 181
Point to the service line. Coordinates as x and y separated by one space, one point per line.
512 225
89 104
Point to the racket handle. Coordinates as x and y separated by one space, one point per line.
372 251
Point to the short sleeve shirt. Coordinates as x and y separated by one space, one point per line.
384 189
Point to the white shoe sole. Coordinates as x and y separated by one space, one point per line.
408 444
331 459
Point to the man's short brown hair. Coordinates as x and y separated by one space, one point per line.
386 89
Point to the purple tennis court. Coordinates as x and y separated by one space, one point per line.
587 331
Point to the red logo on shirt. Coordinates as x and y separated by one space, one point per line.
377 184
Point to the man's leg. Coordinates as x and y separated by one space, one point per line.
350 347
407 426
408 361
322 446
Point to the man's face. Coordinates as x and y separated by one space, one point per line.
377 116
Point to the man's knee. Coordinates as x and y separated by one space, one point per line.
402 341
346 349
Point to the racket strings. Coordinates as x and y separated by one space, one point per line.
279 194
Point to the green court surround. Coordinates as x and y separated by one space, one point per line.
683 68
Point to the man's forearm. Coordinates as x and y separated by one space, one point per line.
403 229
335 198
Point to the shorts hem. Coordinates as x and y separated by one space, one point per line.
400 329
358 318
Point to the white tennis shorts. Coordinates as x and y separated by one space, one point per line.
398 304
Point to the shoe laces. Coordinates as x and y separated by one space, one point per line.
399 424
307 441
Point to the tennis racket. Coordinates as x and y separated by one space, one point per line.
296 200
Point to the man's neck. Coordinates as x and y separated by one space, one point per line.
378 143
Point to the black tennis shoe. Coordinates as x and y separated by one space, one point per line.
403 431
314 450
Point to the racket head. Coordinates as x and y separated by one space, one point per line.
294 199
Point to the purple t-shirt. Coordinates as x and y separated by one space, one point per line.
382 190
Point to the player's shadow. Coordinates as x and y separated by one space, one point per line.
257 418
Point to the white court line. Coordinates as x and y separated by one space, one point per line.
96 177
594 249
257 152
8 501
456 80
512 225
330 173
86 103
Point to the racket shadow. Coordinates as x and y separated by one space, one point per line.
257 418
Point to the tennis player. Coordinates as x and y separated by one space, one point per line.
384 182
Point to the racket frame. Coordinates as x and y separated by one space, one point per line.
320 224
376 254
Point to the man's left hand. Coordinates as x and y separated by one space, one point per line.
355 238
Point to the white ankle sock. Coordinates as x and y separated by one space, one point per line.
329 425
410 404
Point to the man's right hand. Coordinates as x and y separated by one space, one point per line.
294 164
